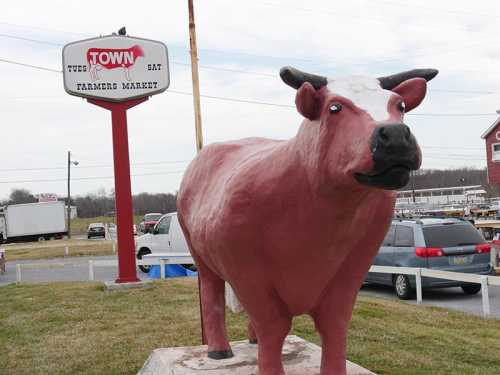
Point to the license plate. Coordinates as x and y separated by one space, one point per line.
461 260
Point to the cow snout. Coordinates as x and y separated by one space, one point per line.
395 153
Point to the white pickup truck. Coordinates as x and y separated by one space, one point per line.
166 237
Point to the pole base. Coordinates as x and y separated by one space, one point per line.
111 285
122 280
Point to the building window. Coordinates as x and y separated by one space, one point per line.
495 152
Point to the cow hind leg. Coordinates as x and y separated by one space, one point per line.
214 314
252 336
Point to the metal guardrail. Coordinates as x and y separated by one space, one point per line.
484 280
105 263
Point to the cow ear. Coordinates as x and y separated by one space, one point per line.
308 101
413 92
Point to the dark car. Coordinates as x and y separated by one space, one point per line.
149 221
96 230
447 244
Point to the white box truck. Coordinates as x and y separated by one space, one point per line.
32 221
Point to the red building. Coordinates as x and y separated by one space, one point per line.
492 138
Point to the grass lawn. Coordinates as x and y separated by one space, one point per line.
56 249
77 328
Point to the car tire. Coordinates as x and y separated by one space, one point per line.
41 238
402 287
471 289
140 254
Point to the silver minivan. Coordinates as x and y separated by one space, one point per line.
448 244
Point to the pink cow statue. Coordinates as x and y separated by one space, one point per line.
293 225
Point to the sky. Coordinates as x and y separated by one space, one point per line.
242 46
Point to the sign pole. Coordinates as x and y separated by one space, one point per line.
123 192
68 209
117 72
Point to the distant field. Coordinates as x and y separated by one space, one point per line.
79 329
80 225
56 249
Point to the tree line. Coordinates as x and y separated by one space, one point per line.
439 178
102 203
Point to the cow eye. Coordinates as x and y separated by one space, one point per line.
335 108
401 107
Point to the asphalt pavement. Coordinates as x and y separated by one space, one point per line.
448 298
62 269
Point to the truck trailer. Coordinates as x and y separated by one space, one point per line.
32 221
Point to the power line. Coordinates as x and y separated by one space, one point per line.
45 29
88 178
30 65
455 148
92 166
208 67
352 16
237 100
248 101
30 40
240 71
439 10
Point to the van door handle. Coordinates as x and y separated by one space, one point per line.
168 243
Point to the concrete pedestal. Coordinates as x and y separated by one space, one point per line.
299 358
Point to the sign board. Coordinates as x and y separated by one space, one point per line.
115 68
47 197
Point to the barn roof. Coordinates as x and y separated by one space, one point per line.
490 129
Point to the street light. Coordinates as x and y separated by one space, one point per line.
68 208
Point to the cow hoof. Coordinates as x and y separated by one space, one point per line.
220 354
252 341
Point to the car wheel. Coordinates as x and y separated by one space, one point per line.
471 288
402 287
140 254
41 238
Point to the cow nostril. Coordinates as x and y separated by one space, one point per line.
383 135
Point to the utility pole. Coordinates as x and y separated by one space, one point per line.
413 185
68 200
197 124
195 78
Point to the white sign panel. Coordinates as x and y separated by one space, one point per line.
115 68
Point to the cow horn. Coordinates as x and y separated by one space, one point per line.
295 78
390 82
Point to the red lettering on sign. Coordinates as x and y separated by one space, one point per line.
112 58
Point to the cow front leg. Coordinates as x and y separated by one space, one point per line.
271 334
332 319
214 313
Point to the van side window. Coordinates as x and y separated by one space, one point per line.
404 236
164 225
389 237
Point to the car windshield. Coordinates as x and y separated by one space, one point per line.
450 235
152 217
